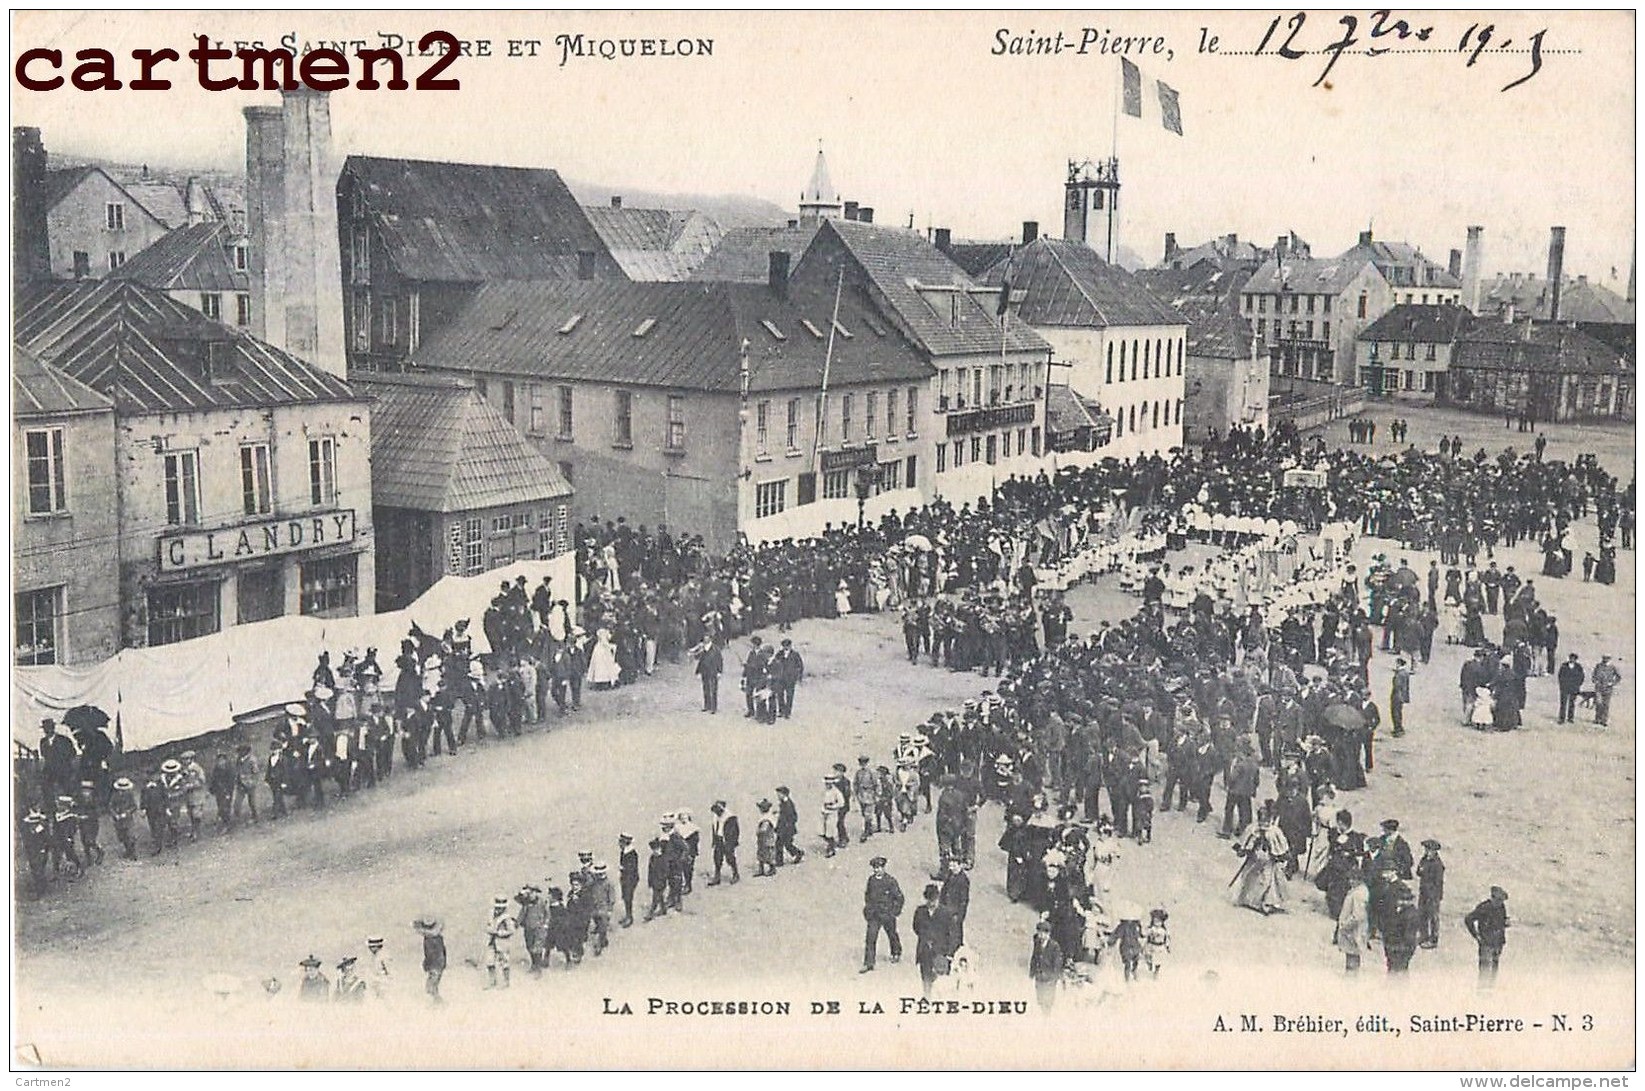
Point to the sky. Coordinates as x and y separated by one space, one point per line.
918 115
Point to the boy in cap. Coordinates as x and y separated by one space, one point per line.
194 792
123 809
245 782
601 904
351 989
86 821
885 799
173 782
628 866
866 785
832 804
841 838
434 953
657 879
220 782
882 905
161 828
1488 924
1430 891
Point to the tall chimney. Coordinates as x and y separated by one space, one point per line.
944 239
1556 270
291 194
30 243
1455 266
1030 231
776 276
1281 245
1471 256
1170 247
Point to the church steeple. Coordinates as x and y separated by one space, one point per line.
820 201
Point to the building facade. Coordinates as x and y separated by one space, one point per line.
1307 314
93 224
242 474
1406 354
1226 383
64 521
203 266
1547 372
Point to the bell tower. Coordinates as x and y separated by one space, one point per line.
1090 204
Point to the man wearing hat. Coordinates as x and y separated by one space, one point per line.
1606 678
175 785
787 670
1399 695
1390 863
532 920
833 821
676 858
220 782
59 759
601 904
499 929
194 792
866 787
787 828
628 875
724 838
710 665
754 673
36 832
1430 891
245 782
1045 965
315 986
434 953
153 802
377 966
351 988
1488 924
123 810
882 905
657 879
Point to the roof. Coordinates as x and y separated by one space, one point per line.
194 258
1580 300
1066 410
820 190
1067 284
162 200
1401 264
1219 252
1325 276
437 445
653 243
40 390
931 298
61 182
1215 329
1521 346
1429 323
976 258
743 254
676 336
466 223
149 352
1204 280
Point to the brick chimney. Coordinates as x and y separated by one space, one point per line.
776 276
291 208
1556 270
1030 231
30 246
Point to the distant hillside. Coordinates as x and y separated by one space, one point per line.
727 209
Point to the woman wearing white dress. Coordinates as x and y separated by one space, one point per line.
602 662
842 599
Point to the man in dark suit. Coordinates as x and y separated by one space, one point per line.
710 664
956 896
1571 676
726 834
628 873
754 673
1045 965
882 904
787 669
935 938
788 826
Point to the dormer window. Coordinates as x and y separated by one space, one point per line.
571 323
644 327
811 328
843 332
771 328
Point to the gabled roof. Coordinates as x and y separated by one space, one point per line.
61 182
1523 346
149 352
1580 300
976 258
653 243
1402 265
742 255
1219 253
1325 276
676 336
161 199
933 300
1215 329
1431 323
198 257
1204 280
1067 284
40 390
1066 410
467 223
437 446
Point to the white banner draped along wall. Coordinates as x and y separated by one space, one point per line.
178 691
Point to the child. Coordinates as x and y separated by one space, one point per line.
1158 941
884 800
765 841
1127 935
908 790
1142 804
1430 891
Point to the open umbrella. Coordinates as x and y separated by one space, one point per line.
917 541
1344 717
85 718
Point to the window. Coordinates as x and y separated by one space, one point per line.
1145 415
993 450
39 628
508 401
622 424
994 384
182 488
1310 330
1296 304
675 439
211 305
413 318
1310 304
537 421
959 453
362 319
241 257
44 449
807 492
322 470
1108 376
1362 305
1325 331
1122 361
770 498
1327 307
1156 415
360 255
909 476
82 265
1136 360
1034 441
1133 418
837 484
1262 305
183 611
117 258
845 418
1119 424
871 419
890 414
257 497
1410 379
1178 419
1427 382
942 386
565 412
388 320
1429 352
114 215
474 547
762 422
942 458
976 448
1022 441
242 309
330 587
976 386
890 478
912 405
1262 327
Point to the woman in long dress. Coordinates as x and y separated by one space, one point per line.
603 670
842 599
1353 935
1261 880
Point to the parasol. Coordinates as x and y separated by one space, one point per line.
85 718
1344 717
917 541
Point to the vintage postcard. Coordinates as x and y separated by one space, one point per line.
813 540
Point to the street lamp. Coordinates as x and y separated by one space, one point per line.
865 489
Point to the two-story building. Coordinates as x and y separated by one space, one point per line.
64 524
242 474
203 265
1549 372
990 371
1406 353
714 409
1308 313
1412 277
418 239
1117 346
94 224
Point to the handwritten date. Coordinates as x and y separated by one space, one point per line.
1380 33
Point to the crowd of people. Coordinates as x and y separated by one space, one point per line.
1252 665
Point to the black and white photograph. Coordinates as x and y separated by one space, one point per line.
815 540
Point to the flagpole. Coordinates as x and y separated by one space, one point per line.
828 357
1114 141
